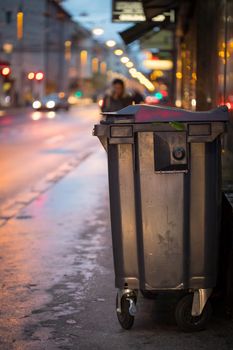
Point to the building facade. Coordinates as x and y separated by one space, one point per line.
41 37
205 57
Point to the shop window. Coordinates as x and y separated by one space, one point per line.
8 17
229 57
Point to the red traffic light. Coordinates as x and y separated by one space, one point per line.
5 71
39 76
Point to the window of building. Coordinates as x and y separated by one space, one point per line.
8 17
229 56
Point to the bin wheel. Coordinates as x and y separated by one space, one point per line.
125 319
184 319
148 294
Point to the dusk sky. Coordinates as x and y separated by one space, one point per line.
95 13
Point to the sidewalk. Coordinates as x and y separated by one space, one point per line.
52 241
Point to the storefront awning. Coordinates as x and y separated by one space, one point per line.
138 30
153 10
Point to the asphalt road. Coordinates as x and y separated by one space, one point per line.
35 143
56 272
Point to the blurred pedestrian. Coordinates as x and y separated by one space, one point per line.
117 98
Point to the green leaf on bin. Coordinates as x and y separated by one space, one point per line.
177 125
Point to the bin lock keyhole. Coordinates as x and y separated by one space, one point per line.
178 153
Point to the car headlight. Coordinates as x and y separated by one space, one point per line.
50 104
36 104
100 103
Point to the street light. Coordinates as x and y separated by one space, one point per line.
98 31
110 43
129 64
118 52
132 70
124 59
7 48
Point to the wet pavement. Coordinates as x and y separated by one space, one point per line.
35 144
48 255
57 280
39 148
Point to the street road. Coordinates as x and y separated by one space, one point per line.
35 143
56 272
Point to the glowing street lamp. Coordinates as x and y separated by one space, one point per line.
132 70
68 44
19 19
118 52
7 48
129 64
98 31
124 59
110 43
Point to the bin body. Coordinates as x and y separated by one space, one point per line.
165 197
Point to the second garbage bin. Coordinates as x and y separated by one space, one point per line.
165 198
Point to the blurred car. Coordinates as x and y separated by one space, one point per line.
100 102
52 102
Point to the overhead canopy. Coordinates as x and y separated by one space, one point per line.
138 30
162 40
152 9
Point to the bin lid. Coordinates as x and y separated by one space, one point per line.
147 114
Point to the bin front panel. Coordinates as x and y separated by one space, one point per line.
205 213
161 199
121 181
197 213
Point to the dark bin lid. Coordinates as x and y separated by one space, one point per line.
147 114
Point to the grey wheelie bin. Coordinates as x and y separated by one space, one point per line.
164 169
